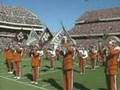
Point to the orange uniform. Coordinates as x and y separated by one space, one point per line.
58 53
112 67
68 60
36 64
100 56
83 55
9 56
36 60
18 56
68 68
119 63
93 56
17 62
82 64
112 63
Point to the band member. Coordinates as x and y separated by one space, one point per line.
18 60
93 56
58 53
8 54
46 53
52 56
100 57
52 59
112 65
68 54
100 54
119 61
83 55
36 64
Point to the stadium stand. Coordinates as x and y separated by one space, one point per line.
14 20
95 24
18 15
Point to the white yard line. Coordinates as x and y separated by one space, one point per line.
23 77
8 77
23 83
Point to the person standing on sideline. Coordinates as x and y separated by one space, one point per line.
112 63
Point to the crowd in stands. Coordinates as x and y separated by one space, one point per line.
7 33
96 28
100 14
92 25
17 15
88 42
4 41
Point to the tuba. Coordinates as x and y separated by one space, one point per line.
115 38
110 40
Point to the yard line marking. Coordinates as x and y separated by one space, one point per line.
24 83
48 72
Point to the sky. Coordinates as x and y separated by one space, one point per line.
52 12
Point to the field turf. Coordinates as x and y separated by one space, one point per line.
51 80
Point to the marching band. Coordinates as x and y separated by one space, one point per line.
110 55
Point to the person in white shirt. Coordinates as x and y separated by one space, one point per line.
52 54
83 55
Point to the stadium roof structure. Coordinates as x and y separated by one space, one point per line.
97 23
19 18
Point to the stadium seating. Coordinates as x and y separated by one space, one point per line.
17 15
104 21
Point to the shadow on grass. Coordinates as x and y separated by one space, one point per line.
54 84
102 89
59 68
45 68
29 76
76 71
78 86
24 65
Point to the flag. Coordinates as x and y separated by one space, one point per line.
32 38
46 36
60 35
57 38
20 36
68 35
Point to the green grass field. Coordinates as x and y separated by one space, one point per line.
51 80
